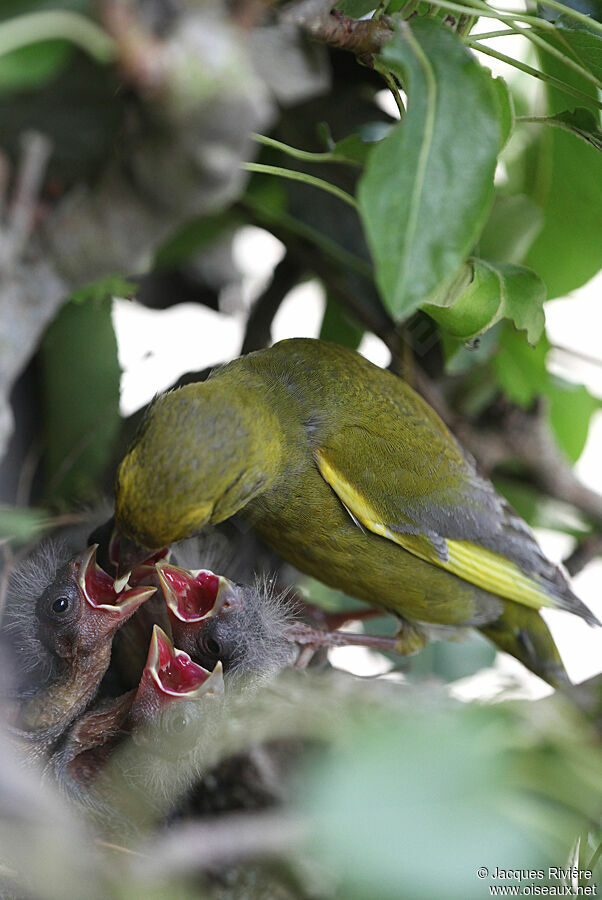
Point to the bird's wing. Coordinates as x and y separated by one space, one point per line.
410 482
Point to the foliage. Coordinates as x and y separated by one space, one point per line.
443 232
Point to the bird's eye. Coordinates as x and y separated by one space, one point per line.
179 724
61 606
213 647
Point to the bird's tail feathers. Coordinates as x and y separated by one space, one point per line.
522 632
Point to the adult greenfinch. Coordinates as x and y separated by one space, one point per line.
347 473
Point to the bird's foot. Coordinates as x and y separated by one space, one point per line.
410 638
312 639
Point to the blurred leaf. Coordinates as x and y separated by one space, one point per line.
21 523
520 369
11 8
356 8
32 66
566 182
461 357
326 597
450 660
522 374
353 149
80 384
79 110
194 237
513 225
505 109
339 327
571 407
98 291
539 510
591 8
400 808
418 240
581 122
584 46
486 292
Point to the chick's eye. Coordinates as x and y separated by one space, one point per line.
179 724
212 646
61 606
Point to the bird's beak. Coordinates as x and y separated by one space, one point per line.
172 673
99 591
192 596
127 555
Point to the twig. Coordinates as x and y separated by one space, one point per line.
362 37
36 149
229 838
585 551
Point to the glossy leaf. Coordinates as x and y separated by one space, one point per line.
338 327
511 228
520 369
583 45
505 108
487 292
581 122
428 185
566 182
571 407
32 66
81 377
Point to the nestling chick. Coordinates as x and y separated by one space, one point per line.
246 628
61 617
134 755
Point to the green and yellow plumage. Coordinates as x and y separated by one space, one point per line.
352 477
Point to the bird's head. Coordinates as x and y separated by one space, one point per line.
201 453
172 697
80 611
212 618
194 598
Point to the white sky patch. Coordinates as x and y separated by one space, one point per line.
300 313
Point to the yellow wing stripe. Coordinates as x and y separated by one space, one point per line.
473 563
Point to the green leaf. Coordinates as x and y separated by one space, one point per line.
581 122
520 369
505 108
513 225
584 46
356 8
353 149
406 802
486 292
20 523
571 407
109 286
338 327
32 66
195 237
428 185
566 182
80 379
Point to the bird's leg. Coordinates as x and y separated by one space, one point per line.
410 638
314 638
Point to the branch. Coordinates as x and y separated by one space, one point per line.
363 37
585 551
224 839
